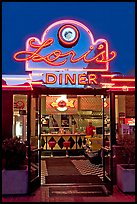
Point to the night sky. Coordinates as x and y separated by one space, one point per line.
114 21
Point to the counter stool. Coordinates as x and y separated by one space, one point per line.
52 145
67 145
107 143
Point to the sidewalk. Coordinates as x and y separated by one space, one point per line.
67 192
42 195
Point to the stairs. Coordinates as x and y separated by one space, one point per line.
73 189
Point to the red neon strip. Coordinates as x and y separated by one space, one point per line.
19 87
123 79
107 83
33 82
14 86
13 78
129 87
107 86
68 69
108 75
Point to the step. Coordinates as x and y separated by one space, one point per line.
74 189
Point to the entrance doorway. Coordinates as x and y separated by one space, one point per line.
62 118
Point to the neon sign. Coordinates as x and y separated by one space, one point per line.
57 54
54 51
62 103
82 79
68 48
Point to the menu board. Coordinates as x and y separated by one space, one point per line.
130 106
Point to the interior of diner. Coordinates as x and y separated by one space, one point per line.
79 110
62 114
70 114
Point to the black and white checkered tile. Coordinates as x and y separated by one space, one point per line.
86 168
44 171
83 166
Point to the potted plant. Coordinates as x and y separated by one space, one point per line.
14 167
126 172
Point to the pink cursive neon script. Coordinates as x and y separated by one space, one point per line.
52 58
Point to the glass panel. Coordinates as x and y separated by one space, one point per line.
34 123
20 117
34 140
106 150
19 152
125 115
124 151
34 164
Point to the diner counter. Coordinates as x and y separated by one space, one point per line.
61 134
76 140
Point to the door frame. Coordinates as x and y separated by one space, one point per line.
103 92
36 182
108 180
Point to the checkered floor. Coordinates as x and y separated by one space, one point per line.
83 166
86 168
44 171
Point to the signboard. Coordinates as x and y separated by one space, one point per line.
68 56
65 54
69 45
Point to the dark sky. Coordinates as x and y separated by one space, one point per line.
114 21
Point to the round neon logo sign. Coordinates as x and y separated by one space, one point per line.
68 35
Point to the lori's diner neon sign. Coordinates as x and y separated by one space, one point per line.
69 43
52 57
67 55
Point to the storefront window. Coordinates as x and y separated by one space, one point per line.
20 116
125 115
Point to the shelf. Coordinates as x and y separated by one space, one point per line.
60 127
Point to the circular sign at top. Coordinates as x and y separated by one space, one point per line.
68 35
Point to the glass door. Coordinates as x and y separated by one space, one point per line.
106 150
35 151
